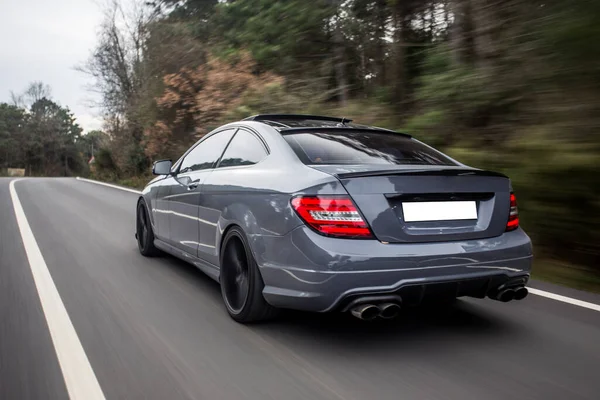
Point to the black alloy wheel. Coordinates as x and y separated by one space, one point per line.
241 282
144 233
236 283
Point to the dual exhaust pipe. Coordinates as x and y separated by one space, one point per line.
369 312
510 294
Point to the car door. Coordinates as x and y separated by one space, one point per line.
186 188
225 187
160 210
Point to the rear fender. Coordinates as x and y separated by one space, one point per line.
240 215
267 215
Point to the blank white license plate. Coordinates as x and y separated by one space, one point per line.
439 211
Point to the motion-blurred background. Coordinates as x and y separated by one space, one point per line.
508 85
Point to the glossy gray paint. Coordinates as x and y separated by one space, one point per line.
304 270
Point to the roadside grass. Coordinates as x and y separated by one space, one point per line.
566 274
136 182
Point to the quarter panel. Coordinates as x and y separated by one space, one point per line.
257 198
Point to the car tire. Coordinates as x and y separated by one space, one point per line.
241 282
144 233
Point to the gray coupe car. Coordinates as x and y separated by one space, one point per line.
319 214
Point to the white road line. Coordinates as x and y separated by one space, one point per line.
564 299
109 185
79 377
537 292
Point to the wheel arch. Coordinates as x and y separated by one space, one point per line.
146 202
255 241
241 216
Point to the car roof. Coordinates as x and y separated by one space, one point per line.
296 122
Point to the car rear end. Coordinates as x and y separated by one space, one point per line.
403 224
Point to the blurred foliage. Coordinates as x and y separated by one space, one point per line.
104 160
567 274
194 101
557 191
508 85
283 36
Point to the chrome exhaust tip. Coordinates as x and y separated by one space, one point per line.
506 295
521 293
389 310
366 312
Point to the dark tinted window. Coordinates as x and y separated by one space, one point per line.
207 152
362 147
244 149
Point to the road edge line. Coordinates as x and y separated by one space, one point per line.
564 299
109 185
78 375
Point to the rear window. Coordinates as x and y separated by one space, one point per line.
362 147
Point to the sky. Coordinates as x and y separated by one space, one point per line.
43 40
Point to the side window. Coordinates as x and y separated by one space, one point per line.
244 149
207 152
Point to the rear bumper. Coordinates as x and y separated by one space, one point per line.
306 271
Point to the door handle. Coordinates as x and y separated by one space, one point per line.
193 184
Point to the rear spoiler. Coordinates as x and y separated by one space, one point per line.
275 117
422 172
340 129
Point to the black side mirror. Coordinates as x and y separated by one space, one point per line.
162 167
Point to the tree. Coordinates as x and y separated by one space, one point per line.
339 59
119 74
43 139
291 37
13 121
90 143
51 138
35 91
195 99
461 37
197 10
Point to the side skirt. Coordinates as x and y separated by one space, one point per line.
209 269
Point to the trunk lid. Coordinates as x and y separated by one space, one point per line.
382 194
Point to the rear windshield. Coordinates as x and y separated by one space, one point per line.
362 147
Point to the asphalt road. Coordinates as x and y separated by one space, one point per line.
157 328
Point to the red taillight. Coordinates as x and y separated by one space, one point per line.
332 216
513 217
